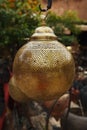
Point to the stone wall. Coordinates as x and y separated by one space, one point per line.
59 6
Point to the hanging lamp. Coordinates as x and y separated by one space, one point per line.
43 68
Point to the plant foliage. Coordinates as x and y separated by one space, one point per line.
17 21
59 23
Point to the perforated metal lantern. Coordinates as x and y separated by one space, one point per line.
43 69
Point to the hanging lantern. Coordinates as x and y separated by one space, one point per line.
43 69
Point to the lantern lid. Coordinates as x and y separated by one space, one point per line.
43 33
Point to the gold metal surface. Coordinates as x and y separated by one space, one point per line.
16 93
43 68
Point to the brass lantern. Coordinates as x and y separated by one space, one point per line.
43 69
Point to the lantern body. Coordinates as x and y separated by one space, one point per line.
43 69
16 93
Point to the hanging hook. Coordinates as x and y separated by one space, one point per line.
48 6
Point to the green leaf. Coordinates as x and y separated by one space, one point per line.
1 1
